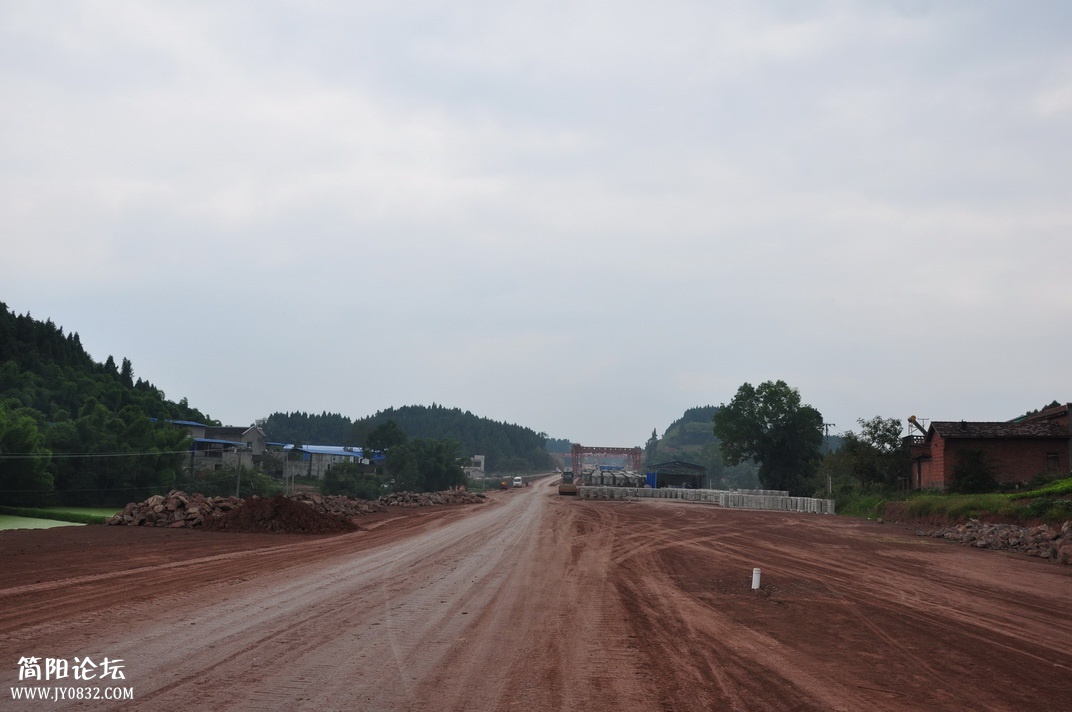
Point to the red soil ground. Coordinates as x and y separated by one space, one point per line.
535 601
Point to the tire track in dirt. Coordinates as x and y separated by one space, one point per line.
37 603
536 601
832 628
472 613
379 622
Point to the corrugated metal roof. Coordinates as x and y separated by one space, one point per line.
675 465
334 450
219 442
187 423
327 450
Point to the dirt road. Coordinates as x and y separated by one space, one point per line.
536 602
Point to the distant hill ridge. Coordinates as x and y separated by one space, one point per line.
505 446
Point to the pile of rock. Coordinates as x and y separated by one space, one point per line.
1042 541
427 499
339 504
176 509
317 513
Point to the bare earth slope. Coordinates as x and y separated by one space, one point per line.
533 601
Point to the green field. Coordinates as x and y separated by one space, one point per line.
99 511
54 516
8 521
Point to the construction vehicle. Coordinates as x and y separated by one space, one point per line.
567 485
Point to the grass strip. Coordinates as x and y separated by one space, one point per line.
57 515
1051 503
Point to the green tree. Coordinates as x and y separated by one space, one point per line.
423 464
384 437
402 469
24 476
439 463
770 426
872 458
651 447
350 479
126 373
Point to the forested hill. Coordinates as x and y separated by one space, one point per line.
309 429
691 438
506 447
76 431
44 369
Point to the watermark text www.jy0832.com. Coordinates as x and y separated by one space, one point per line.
59 694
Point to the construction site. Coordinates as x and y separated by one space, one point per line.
526 599
615 473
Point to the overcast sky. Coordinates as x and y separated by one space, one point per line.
580 217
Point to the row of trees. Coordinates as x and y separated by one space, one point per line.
309 428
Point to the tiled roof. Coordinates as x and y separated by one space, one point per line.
967 429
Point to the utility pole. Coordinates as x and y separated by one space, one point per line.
826 444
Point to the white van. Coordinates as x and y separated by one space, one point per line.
518 482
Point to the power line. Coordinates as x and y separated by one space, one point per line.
174 485
63 455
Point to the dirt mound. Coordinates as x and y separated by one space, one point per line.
429 499
338 504
281 515
300 513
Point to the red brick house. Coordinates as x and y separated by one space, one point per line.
1019 450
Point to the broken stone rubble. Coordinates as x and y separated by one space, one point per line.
179 509
1043 541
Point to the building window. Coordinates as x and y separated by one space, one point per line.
1052 462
